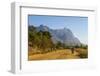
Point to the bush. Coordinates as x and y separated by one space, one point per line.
83 54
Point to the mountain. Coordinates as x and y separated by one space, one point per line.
64 35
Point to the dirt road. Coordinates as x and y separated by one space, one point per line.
59 54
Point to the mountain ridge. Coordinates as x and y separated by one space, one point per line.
64 35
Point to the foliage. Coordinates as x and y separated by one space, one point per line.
39 39
83 54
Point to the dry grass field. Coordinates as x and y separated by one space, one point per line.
59 54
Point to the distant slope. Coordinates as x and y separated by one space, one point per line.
64 35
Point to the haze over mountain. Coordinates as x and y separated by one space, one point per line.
64 35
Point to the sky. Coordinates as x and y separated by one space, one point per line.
78 25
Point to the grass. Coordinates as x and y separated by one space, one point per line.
59 54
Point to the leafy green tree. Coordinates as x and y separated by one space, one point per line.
31 35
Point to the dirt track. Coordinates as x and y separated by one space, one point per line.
59 54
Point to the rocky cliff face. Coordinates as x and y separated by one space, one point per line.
64 35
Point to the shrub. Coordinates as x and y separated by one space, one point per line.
83 54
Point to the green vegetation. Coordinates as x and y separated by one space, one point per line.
40 39
40 42
83 54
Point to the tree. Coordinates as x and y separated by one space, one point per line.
40 39
46 41
59 45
